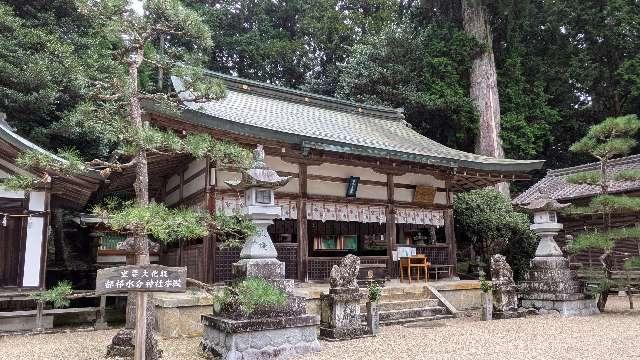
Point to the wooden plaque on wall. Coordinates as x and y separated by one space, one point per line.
424 194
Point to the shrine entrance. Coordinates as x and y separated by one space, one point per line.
12 242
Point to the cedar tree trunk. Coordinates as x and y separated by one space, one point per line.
484 84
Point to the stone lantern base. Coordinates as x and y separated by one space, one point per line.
551 285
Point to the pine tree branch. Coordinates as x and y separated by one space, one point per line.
113 166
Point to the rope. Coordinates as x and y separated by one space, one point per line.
29 215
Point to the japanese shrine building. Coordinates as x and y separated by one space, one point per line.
556 186
25 217
402 182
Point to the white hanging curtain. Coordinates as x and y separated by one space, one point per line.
324 211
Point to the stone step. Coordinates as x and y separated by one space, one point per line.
412 320
403 304
407 315
405 295
393 315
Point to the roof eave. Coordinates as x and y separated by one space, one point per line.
199 118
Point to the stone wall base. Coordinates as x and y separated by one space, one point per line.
564 307
343 334
500 315
24 322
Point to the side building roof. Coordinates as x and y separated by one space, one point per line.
555 184
72 191
319 122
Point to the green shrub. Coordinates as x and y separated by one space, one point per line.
57 295
375 291
253 293
485 286
487 223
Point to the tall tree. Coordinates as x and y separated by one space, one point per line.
484 83
46 40
114 86
298 44
605 141
420 69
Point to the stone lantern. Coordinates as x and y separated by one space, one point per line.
545 224
550 284
281 333
258 255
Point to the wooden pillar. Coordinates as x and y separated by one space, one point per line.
207 242
391 223
303 241
449 227
450 236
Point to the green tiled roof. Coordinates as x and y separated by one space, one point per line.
319 122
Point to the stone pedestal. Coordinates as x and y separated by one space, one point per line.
486 313
340 314
340 308
551 285
277 338
505 297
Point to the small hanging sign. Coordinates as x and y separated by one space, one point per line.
424 194
145 278
352 186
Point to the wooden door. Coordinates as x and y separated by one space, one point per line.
12 242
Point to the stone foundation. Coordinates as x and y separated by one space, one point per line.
551 285
23 320
178 314
340 314
277 338
576 307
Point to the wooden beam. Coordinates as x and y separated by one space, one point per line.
303 241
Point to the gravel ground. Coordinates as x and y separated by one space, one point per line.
612 335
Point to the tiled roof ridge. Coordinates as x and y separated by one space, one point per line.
593 166
302 97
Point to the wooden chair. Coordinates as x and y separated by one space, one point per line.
404 263
419 262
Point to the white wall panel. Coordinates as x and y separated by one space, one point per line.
33 252
418 179
12 194
346 171
36 200
407 195
173 181
319 187
278 164
172 198
193 185
291 187
194 167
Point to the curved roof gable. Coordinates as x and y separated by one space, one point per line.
321 122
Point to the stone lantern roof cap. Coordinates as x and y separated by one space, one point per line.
545 203
259 175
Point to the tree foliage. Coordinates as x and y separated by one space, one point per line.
57 295
562 66
605 141
111 107
421 70
486 221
